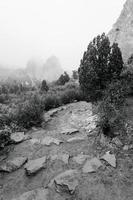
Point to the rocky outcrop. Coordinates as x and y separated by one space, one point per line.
122 31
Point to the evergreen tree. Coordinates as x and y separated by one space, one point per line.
100 64
44 86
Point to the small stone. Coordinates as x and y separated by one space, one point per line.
34 166
65 182
125 148
79 159
117 142
49 140
70 131
37 194
63 157
110 158
12 165
35 141
77 138
91 165
131 146
19 137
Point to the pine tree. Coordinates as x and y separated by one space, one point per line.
100 64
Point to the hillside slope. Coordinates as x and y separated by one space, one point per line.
122 31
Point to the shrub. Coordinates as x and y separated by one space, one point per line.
4 138
51 101
29 113
64 78
44 86
4 98
112 109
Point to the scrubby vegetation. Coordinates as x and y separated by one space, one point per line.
26 109
101 80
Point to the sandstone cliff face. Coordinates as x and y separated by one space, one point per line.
122 31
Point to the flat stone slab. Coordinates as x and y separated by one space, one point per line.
34 166
12 165
110 158
77 138
65 182
50 140
63 157
19 137
79 159
46 141
37 194
70 131
91 165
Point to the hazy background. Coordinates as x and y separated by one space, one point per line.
41 28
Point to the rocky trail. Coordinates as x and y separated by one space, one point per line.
66 160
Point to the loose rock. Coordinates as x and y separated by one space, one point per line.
125 148
91 165
77 138
110 158
19 137
117 142
79 159
63 157
65 182
13 165
34 166
49 140
37 194
70 131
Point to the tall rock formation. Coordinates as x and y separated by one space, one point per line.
122 31
50 70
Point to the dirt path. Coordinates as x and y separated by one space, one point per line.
106 183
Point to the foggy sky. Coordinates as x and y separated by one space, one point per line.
41 28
